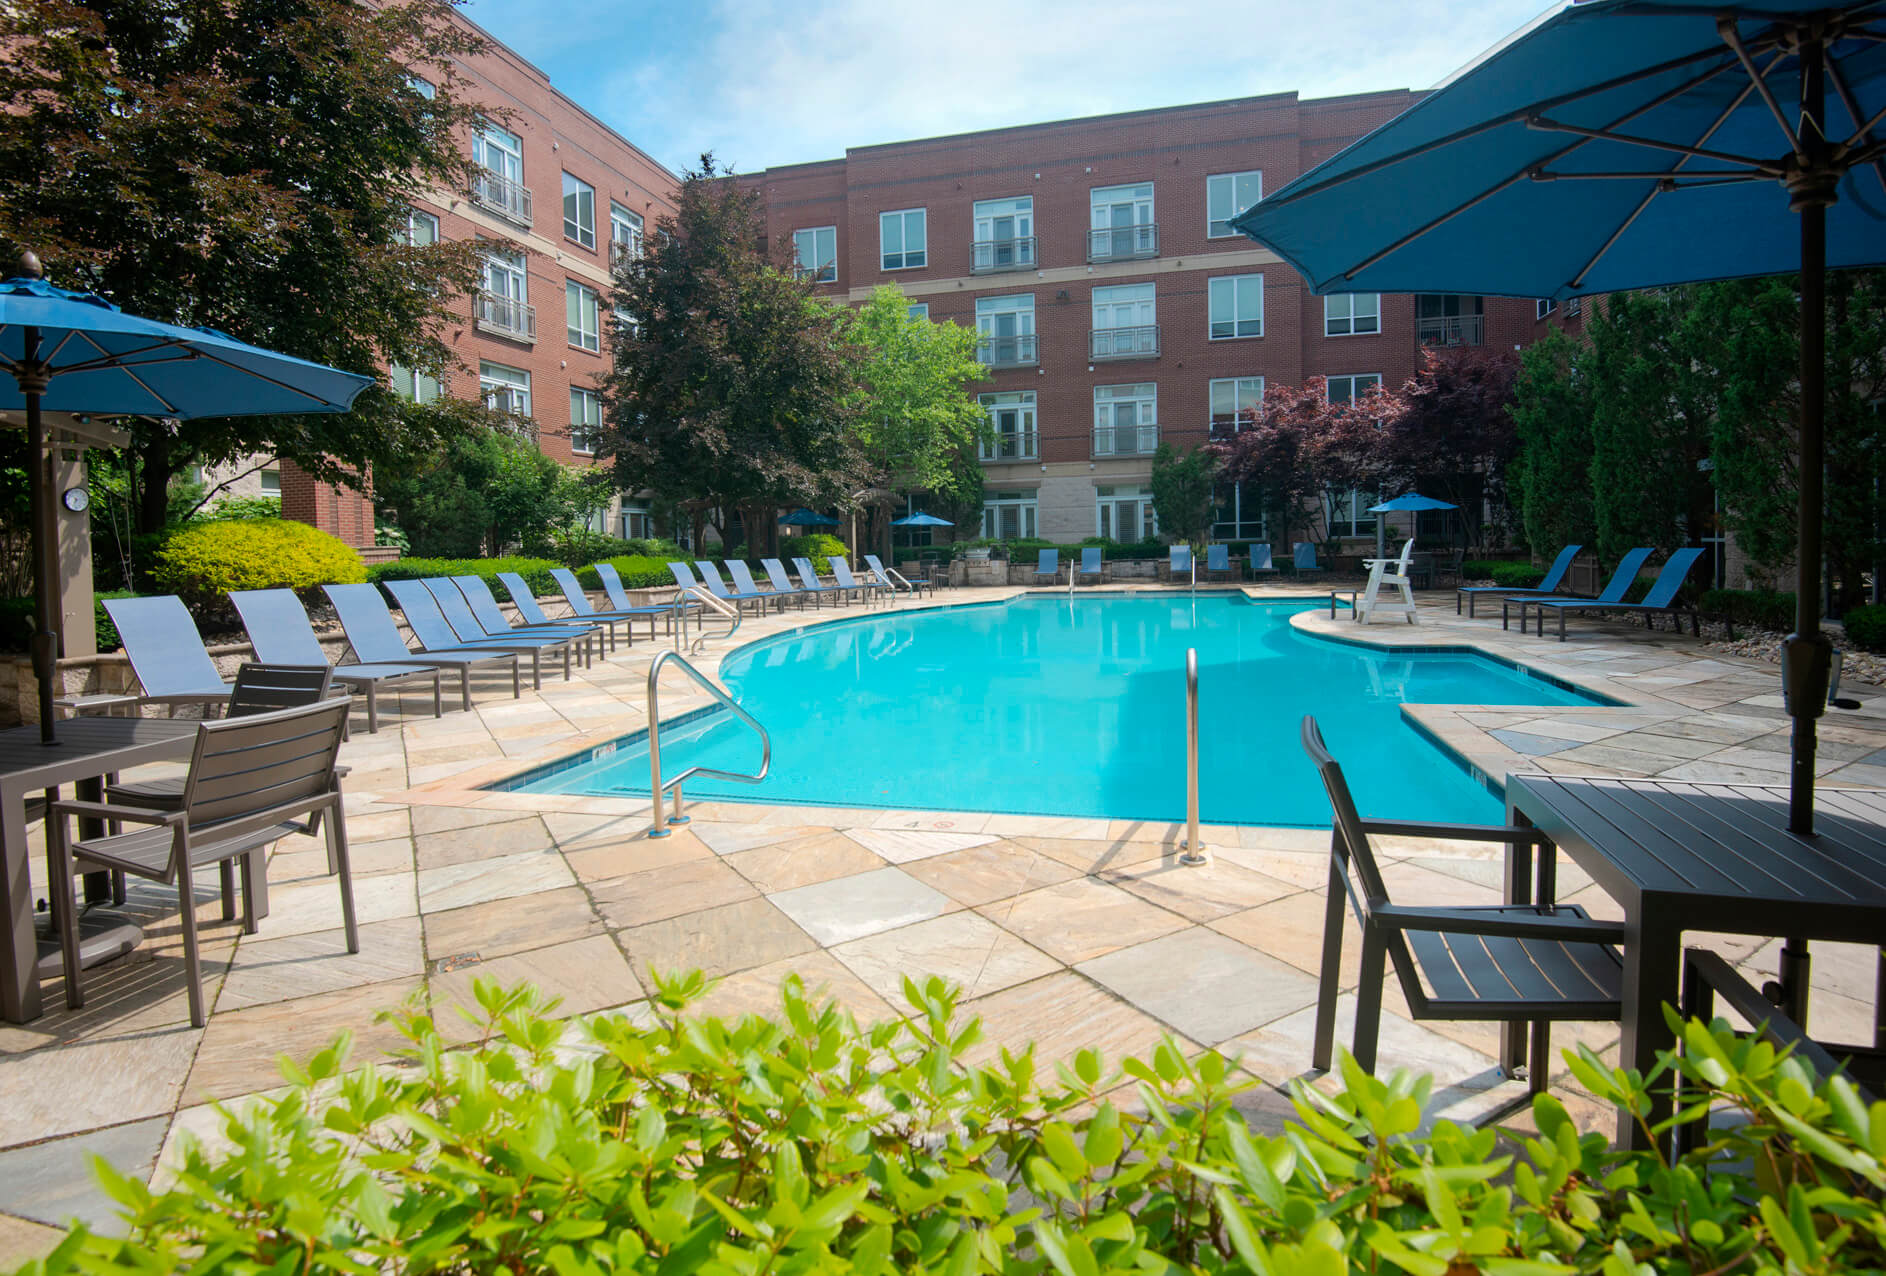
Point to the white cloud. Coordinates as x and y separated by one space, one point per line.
767 82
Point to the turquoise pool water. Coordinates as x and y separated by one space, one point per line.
1054 706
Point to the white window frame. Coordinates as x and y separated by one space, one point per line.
1234 286
1225 185
1344 314
422 86
582 315
1022 404
507 272
1367 380
1027 504
583 432
491 143
1241 525
418 387
416 218
1107 501
918 310
983 215
824 266
1543 307
1355 499
904 251
270 481
989 310
1238 388
1143 397
578 229
504 388
625 232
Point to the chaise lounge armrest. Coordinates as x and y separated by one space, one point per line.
1518 921
106 811
1459 832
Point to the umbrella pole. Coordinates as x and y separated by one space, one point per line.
45 644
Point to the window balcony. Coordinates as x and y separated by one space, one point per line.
498 194
1007 352
1123 243
992 256
505 317
1105 344
1451 330
1011 447
1126 440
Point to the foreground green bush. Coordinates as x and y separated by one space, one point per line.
535 571
1866 627
1757 608
202 563
803 1145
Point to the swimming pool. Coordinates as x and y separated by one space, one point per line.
1075 706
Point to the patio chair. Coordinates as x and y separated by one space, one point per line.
1548 585
809 577
1388 571
252 781
743 583
1179 563
1614 590
577 598
684 577
1048 567
867 589
475 593
280 634
1303 558
710 576
450 604
809 588
1662 597
1260 561
1218 562
1517 963
1093 563
914 585
374 635
166 652
622 606
427 619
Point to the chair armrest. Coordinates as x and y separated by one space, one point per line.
1520 923
1509 834
106 811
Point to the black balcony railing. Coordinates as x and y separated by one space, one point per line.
499 194
1451 330
1123 243
1007 352
1011 447
989 256
1123 343
1126 440
506 317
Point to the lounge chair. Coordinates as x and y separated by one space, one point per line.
1218 562
1507 963
280 634
710 576
1260 561
1179 562
892 577
166 652
619 597
1303 558
782 583
374 635
867 589
252 782
1614 589
1554 576
809 577
420 607
1048 566
580 607
477 594
1093 563
451 606
684 577
743 581
1662 597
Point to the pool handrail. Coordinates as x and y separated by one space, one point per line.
656 785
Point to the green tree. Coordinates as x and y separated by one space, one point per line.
485 491
1183 484
248 166
733 388
1551 411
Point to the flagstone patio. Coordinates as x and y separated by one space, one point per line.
1065 932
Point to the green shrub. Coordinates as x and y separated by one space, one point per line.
1866 627
535 571
575 546
804 1145
16 622
243 507
202 563
817 546
638 571
1757 608
1514 575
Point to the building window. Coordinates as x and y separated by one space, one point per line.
1449 319
1574 306
415 386
1126 420
1004 234
422 86
502 307
903 240
585 421
919 310
1352 314
817 253
1346 512
583 314
1008 516
1124 514
1543 307
1126 323
1227 195
498 186
625 233
1121 225
1231 399
579 211
422 228
504 389
1237 306
1238 513
1346 389
499 150
636 523
271 481
1006 330
1011 426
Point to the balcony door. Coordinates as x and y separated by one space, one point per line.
1012 425
1006 326
504 275
1005 230
500 152
1126 213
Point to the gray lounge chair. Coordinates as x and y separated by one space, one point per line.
1614 589
1303 558
867 589
1260 561
280 634
252 781
426 616
1179 562
477 594
782 583
166 652
1093 563
583 609
1048 567
1549 584
1505 963
684 576
710 576
374 635
1662 597
1218 562
892 577
619 597
809 577
744 584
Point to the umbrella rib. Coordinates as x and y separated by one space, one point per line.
1674 180
1725 27
1766 167
262 376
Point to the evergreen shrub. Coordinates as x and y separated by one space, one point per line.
1866 627
535 571
202 563
1757 608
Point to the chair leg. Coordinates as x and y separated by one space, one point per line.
337 855
65 907
1539 1057
1329 980
251 870
226 872
1369 1001
373 710
192 966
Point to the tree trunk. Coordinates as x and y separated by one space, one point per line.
152 508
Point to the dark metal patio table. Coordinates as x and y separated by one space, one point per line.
1680 856
87 748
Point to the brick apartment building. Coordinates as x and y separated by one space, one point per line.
1117 309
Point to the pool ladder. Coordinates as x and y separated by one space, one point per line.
703 602
1193 849
657 786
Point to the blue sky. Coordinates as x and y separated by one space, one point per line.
769 82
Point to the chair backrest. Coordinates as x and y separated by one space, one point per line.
710 576
684 575
1348 843
743 577
572 588
165 649
841 572
1625 576
877 568
1181 558
421 610
1048 563
776 572
807 576
264 688
1303 556
457 612
245 770
524 600
1671 578
1260 559
278 627
1090 561
612 586
1407 556
368 623
1217 558
1560 565
477 595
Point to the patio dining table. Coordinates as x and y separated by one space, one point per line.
1680 856
87 748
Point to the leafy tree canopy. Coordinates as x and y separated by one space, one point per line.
487 490
1182 484
1551 413
917 424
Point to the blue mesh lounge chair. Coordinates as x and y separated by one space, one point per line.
1092 564
374 636
423 616
532 613
892 577
809 577
1554 576
809 588
166 651
619 597
1614 589
1218 561
1260 560
743 583
578 599
1179 563
281 635
465 623
710 576
1303 558
491 617
1048 567
684 576
1662 597
867 589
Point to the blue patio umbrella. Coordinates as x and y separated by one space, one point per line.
921 519
76 352
1621 144
803 517
1407 501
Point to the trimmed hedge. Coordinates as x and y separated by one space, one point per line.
638 571
201 564
535 571
1866 627
16 622
1026 550
1756 608
1514 575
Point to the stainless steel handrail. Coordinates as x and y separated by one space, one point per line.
1194 849
656 785
707 601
